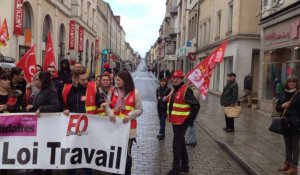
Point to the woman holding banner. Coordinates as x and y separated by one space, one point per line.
42 102
125 102
9 101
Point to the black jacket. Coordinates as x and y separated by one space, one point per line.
12 108
248 83
230 94
76 99
64 74
160 93
189 99
46 100
293 112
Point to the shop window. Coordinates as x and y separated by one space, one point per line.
278 66
297 53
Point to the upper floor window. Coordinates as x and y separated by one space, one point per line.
265 2
218 29
230 17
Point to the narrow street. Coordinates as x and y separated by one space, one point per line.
152 156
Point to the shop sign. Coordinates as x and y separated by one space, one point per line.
277 37
18 17
181 51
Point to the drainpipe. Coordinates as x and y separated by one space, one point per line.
197 30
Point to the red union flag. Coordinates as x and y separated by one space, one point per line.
18 17
200 75
4 35
72 35
49 54
28 64
80 41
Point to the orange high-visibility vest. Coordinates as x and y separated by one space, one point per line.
129 106
90 102
101 111
181 110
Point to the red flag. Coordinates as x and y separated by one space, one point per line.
28 64
4 35
200 75
49 54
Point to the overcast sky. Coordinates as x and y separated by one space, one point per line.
140 20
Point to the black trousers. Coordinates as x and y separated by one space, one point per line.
291 141
229 122
162 114
180 155
129 158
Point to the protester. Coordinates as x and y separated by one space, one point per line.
105 85
80 97
38 68
31 91
57 83
64 75
291 138
9 101
78 65
162 92
107 68
182 111
161 74
191 137
42 102
228 98
17 81
168 74
248 88
125 102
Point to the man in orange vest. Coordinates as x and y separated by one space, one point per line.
182 109
81 97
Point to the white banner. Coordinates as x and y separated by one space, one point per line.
55 141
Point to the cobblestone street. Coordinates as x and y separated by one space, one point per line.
151 156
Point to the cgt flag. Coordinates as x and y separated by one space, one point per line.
4 35
200 75
28 64
49 55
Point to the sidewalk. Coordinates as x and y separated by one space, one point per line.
256 148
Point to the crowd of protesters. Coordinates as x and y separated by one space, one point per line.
70 91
